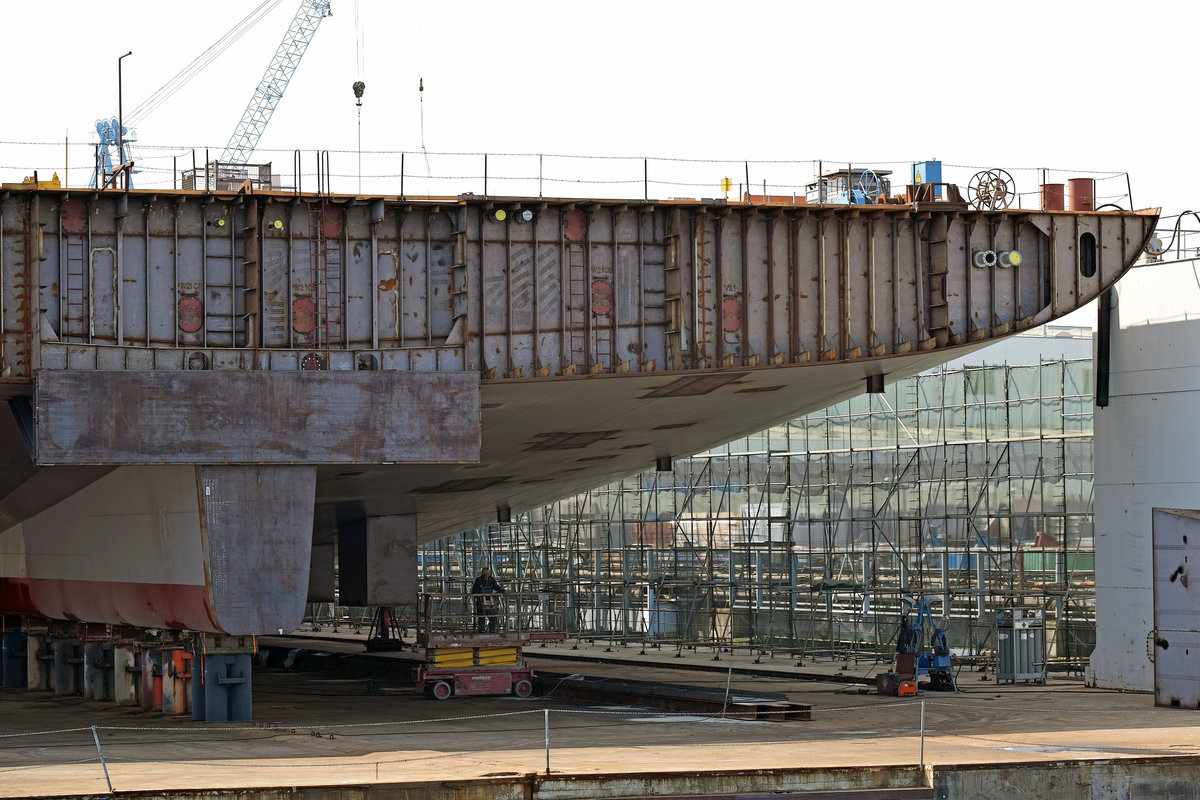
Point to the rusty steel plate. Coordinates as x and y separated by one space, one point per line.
235 417
74 215
191 314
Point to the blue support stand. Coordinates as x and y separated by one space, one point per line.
221 689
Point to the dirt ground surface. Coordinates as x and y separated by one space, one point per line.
322 728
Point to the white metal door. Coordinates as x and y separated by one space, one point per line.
1176 536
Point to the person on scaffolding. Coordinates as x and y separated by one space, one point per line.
486 590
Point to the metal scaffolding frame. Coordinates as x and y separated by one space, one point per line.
808 540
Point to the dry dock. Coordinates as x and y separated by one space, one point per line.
333 734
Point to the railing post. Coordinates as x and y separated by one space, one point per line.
107 780
922 734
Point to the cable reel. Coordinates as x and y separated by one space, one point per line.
991 190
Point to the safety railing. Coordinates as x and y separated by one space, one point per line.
418 174
445 620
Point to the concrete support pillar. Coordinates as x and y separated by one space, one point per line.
97 671
177 682
221 690
320 573
40 662
68 666
377 561
150 692
126 672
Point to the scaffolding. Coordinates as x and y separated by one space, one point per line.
972 485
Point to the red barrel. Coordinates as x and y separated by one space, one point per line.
1081 194
1052 197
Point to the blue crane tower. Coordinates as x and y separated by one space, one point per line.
274 81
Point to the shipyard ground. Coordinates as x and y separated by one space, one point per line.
338 733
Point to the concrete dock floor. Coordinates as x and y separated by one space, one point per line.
326 731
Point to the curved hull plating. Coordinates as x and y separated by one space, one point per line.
146 546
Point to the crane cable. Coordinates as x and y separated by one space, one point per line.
359 84
421 95
360 43
231 37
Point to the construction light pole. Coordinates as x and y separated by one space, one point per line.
121 123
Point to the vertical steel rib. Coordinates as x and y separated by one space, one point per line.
871 320
718 302
919 277
509 361
430 218
204 274
822 273
588 343
146 266
744 289
289 276
535 359
770 238
230 213
373 292
400 333
793 299
564 294
641 217
118 288
176 212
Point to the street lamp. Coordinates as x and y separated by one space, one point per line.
121 122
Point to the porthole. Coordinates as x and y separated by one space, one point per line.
1087 255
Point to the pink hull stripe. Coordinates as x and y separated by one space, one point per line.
145 605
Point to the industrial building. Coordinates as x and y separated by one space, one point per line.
1145 463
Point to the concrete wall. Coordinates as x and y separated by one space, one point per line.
1146 446
1104 779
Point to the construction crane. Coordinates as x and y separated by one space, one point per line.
262 104
274 81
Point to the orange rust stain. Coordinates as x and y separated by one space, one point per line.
388 286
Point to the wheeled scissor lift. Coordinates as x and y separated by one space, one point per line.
461 661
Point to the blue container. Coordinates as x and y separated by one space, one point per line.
928 172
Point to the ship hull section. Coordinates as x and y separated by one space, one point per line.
176 547
224 381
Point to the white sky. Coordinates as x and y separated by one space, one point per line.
1068 86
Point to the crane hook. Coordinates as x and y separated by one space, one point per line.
359 87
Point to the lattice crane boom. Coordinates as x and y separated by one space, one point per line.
274 81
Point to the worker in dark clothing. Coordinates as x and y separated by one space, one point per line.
486 591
